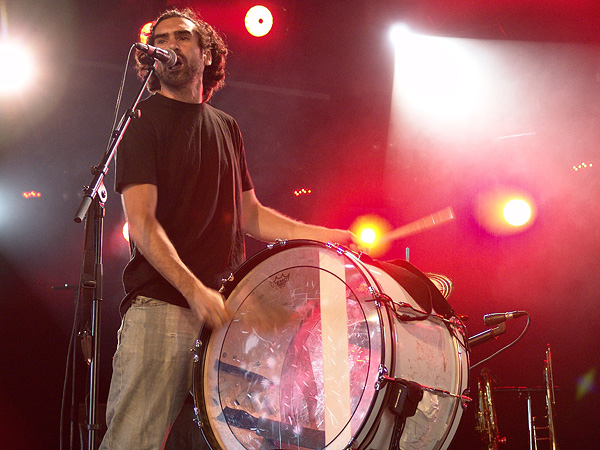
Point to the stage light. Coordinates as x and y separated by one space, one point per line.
582 166
259 21
368 236
434 75
126 231
145 33
399 34
302 191
369 229
517 212
504 211
17 70
32 194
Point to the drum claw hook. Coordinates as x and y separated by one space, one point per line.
382 378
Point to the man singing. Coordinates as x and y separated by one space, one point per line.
189 201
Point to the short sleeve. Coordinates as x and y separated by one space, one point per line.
136 159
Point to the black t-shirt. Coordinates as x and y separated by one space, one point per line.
194 154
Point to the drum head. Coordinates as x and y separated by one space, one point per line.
297 366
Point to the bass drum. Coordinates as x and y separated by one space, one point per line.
304 362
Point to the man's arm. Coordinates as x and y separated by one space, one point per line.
268 225
139 202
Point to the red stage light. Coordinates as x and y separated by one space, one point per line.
32 194
259 21
145 32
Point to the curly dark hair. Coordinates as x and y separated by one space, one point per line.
214 75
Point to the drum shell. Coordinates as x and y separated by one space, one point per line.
405 349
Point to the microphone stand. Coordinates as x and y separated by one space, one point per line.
90 285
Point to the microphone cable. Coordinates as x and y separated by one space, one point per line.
506 347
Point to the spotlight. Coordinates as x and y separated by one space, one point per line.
17 70
368 235
145 32
398 34
303 191
259 21
505 211
369 229
517 212
435 75
32 194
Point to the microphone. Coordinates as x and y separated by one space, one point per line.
495 318
167 57
487 335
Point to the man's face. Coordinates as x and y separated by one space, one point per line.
177 34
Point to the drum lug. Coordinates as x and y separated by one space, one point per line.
277 243
196 357
383 371
224 282
197 421
466 394
376 296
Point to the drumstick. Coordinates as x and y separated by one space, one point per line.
424 223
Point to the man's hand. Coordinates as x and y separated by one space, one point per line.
209 306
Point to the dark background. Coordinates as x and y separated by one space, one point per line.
313 101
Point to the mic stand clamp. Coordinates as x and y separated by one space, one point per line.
90 286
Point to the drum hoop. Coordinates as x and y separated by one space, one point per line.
240 273
198 394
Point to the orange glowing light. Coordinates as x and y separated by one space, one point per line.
145 32
368 235
369 229
126 231
32 194
517 212
302 191
504 211
259 21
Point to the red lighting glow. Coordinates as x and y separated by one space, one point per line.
32 194
259 21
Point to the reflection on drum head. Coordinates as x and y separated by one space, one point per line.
297 366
